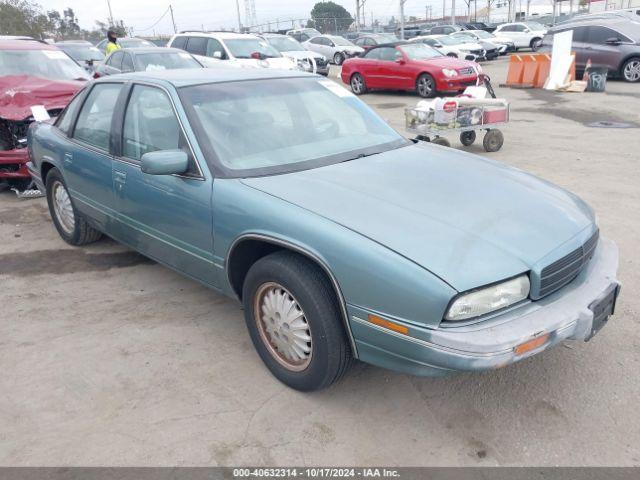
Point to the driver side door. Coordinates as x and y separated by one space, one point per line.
166 217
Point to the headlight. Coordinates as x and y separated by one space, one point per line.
305 65
489 299
449 72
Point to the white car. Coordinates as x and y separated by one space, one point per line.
306 59
234 49
523 34
336 49
452 47
504 44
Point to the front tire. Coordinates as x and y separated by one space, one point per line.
426 86
338 58
631 70
358 85
295 322
535 44
70 225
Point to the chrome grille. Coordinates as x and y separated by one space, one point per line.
562 271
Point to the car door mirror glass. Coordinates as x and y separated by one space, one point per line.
165 162
217 54
612 41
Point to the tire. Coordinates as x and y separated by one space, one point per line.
534 44
426 86
493 140
467 138
358 85
630 70
70 225
338 58
441 141
452 55
289 277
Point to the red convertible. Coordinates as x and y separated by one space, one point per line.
409 66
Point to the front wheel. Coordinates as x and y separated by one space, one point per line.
631 70
467 138
426 86
358 85
535 44
295 322
338 58
70 225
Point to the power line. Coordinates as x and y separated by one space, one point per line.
156 23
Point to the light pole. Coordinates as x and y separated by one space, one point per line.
239 18
402 2
110 13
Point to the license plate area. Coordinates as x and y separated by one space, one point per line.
602 308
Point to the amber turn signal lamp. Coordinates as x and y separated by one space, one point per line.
531 344
381 322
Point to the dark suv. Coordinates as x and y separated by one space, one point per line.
608 42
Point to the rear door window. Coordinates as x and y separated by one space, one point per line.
94 122
127 63
197 46
600 35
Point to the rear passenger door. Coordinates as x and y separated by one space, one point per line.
167 217
87 158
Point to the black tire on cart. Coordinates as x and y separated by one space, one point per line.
493 140
441 141
467 138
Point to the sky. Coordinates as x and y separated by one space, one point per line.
213 14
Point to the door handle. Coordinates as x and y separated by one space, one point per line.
68 159
119 179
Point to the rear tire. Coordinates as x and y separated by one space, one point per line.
358 85
631 70
70 225
287 299
426 86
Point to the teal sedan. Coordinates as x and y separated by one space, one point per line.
341 239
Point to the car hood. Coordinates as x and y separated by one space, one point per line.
18 93
446 62
469 46
469 220
302 54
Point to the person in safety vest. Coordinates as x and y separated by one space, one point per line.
112 44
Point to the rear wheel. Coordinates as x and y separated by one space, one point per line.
358 85
426 86
338 58
70 225
493 140
631 70
294 321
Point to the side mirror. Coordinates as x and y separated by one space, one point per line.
400 61
613 41
256 55
526 30
217 54
165 162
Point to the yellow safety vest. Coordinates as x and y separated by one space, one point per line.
112 47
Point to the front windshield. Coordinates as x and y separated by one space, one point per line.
135 43
285 44
342 42
535 25
449 40
483 34
166 61
464 38
259 127
420 51
50 64
83 53
245 47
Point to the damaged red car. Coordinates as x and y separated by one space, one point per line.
31 74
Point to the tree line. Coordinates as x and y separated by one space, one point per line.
25 17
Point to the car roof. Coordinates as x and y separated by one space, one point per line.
25 45
626 26
189 77
222 35
142 51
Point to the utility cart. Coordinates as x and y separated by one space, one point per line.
429 120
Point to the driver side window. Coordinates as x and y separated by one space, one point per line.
150 124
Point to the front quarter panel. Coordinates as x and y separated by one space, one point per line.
370 276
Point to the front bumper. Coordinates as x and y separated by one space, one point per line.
492 343
13 164
456 84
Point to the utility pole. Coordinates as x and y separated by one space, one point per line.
444 9
239 18
402 2
173 22
453 12
110 13
357 15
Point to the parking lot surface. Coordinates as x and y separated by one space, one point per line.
110 359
